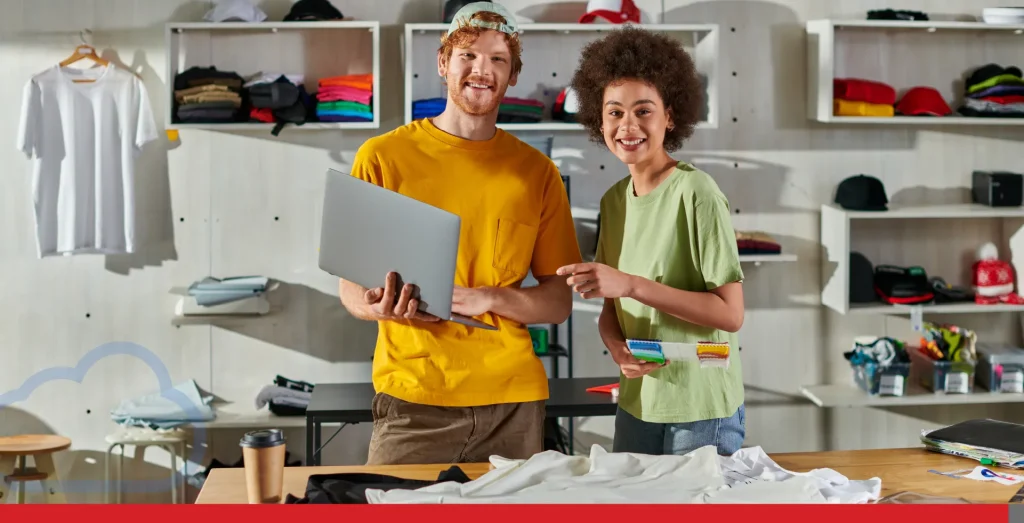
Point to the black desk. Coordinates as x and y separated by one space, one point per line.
350 403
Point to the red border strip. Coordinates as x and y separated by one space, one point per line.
520 513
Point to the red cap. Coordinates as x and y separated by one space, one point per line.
923 101
614 11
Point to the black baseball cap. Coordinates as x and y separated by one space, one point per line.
862 193
313 10
451 7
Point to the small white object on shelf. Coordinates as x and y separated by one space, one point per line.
913 53
314 50
550 55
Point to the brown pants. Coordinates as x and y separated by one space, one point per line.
409 433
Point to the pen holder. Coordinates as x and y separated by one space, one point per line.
878 380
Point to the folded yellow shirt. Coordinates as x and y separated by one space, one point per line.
842 107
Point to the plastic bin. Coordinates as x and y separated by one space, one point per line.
878 380
942 377
1000 368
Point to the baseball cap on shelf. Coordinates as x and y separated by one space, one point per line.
235 11
614 11
923 101
313 10
862 193
464 17
567 104
451 7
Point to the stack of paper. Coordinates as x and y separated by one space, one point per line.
990 442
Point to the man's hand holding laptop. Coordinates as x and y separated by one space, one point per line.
387 306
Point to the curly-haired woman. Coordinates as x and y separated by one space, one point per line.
667 264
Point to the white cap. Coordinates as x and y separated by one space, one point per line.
571 104
235 10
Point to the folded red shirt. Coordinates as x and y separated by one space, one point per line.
857 90
1005 100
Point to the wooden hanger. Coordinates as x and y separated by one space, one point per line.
82 52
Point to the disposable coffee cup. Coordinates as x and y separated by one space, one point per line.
263 454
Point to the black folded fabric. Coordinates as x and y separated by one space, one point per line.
350 488
896 14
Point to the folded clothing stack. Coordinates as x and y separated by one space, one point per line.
757 242
206 95
165 409
520 110
267 101
286 397
994 91
345 98
428 108
858 97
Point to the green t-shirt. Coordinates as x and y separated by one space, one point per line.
681 235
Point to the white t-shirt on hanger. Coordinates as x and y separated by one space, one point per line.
84 139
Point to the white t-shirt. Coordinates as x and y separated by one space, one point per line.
84 139
702 476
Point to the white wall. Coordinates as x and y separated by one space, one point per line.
224 204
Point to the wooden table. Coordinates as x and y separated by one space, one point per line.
899 469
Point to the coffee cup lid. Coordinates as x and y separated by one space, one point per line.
262 438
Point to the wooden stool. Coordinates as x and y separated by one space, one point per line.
14 450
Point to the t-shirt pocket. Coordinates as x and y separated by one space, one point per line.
513 246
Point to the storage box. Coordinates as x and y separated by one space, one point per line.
878 380
942 377
1000 368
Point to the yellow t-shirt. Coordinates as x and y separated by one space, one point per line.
515 218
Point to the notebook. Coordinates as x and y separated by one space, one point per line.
997 442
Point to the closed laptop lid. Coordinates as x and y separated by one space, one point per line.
368 230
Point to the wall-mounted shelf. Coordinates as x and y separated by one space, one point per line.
934 308
851 396
905 54
758 259
836 238
313 49
546 73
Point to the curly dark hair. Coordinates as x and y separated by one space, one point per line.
639 54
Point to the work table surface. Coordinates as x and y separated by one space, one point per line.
899 469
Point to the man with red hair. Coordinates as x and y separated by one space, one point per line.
448 392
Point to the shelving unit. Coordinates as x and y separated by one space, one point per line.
313 49
546 73
836 236
837 230
905 54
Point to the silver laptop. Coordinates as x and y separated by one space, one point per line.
368 231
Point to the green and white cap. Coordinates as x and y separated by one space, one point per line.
464 17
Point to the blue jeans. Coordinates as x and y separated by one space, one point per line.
642 437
